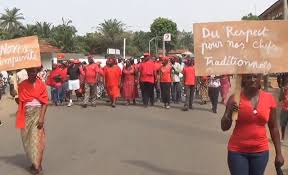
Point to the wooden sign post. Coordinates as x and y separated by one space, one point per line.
242 47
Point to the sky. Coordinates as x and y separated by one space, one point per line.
138 15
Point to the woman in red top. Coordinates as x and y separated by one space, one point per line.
112 76
33 102
129 87
165 81
248 148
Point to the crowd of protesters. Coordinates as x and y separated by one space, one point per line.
168 77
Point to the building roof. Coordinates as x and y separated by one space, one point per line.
46 47
177 51
271 8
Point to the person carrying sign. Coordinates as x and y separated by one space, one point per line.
248 148
33 102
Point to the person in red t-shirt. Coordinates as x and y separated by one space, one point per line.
165 73
33 104
248 148
56 82
284 111
90 79
112 77
189 82
147 80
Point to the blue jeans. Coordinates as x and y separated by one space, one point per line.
247 163
57 94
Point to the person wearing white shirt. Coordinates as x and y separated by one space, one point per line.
176 86
213 91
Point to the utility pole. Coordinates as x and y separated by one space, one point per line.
124 49
164 48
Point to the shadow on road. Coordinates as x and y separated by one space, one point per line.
18 160
156 169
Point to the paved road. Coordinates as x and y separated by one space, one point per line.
123 141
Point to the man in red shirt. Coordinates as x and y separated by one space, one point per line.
147 79
189 82
90 79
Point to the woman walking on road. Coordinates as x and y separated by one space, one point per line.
33 101
112 77
165 81
248 148
204 90
129 79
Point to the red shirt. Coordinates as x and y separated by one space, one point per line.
249 135
158 65
51 78
285 99
112 75
90 72
166 74
189 75
64 74
146 70
28 92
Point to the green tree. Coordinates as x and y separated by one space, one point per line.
160 26
140 40
112 31
28 30
250 16
4 35
63 36
44 29
185 41
10 21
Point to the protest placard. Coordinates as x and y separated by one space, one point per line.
241 47
19 53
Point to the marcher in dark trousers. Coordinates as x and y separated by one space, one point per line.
189 82
213 91
165 82
148 93
176 86
147 79
157 64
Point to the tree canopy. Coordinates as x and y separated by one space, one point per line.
108 34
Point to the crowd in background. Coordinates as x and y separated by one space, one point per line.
168 79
